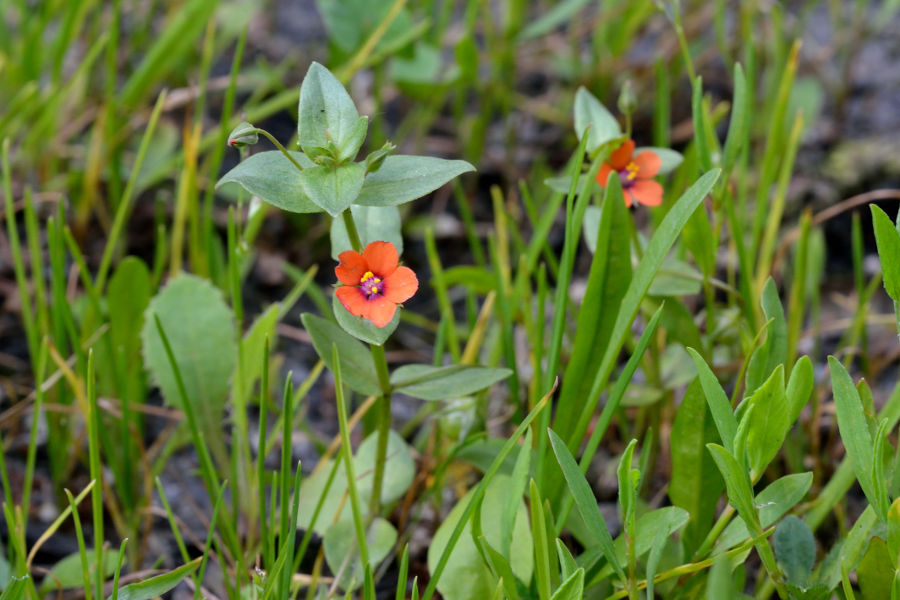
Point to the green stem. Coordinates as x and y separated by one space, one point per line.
280 147
384 427
352 233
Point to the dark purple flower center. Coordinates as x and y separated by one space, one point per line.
371 286
628 175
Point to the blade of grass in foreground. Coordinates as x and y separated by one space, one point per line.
479 494
654 254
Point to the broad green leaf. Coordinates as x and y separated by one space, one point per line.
201 331
333 189
572 588
442 383
695 483
357 367
156 586
675 278
888 239
876 572
350 22
354 140
670 159
852 425
403 178
799 387
573 418
272 178
608 280
561 185
340 541
795 549
590 112
719 406
361 328
127 298
67 573
773 502
466 575
650 527
253 347
737 485
373 223
768 423
399 471
586 502
720 584
558 14
773 351
326 112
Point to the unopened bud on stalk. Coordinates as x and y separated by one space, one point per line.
376 159
244 134
627 100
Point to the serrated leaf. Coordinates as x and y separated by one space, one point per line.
333 189
373 223
357 367
442 383
403 178
272 178
590 112
361 328
201 331
326 111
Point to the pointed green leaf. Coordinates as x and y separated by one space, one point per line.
888 239
403 178
719 406
443 383
333 189
272 178
769 421
156 586
572 588
773 351
356 361
737 485
326 111
590 112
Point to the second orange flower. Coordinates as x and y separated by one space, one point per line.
636 174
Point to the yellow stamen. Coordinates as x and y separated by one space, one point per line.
632 169
366 276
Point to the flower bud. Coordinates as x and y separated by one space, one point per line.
376 159
627 101
244 134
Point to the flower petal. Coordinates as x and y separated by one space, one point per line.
352 267
382 258
400 285
648 164
353 300
647 192
380 311
603 174
621 156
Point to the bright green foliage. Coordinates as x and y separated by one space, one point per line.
590 112
404 178
442 383
355 360
888 239
333 189
373 223
795 549
158 585
340 546
273 178
201 331
466 575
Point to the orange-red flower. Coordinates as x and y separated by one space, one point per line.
373 283
636 174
